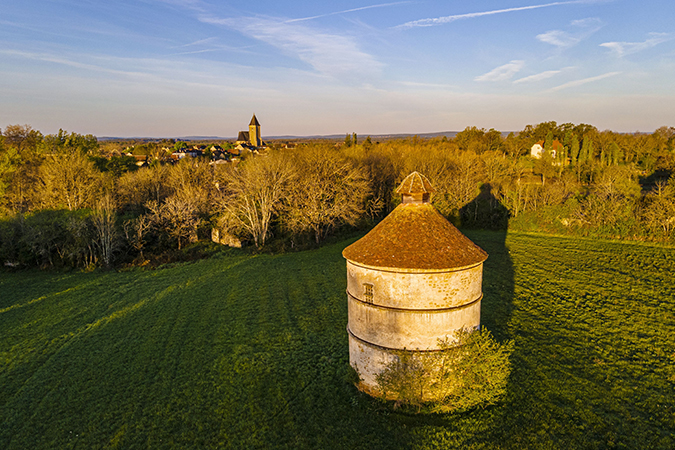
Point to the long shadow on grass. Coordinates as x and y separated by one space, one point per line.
485 222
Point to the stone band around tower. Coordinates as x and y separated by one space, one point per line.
413 280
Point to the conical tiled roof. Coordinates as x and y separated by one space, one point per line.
415 236
254 121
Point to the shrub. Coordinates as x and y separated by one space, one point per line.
471 370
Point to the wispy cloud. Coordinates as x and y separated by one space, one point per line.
501 73
195 52
622 49
198 42
581 82
195 5
153 73
538 77
382 5
447 19
577 32
68 62
335 55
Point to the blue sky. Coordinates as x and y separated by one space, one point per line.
192 67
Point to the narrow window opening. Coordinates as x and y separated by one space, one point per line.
368 292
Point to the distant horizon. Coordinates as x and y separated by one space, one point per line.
281 137
449 134
194 68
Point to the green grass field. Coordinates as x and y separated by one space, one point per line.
242 351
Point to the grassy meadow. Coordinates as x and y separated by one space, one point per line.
250 351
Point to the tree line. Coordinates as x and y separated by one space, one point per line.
69 200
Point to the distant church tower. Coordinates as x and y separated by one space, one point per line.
251 138
254 132
414 278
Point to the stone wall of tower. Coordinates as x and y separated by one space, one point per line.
396 309
254 135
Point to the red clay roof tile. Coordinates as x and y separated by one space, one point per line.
415 236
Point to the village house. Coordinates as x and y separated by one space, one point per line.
180 154
537 150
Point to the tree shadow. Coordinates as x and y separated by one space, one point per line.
485 221
485 211
648 182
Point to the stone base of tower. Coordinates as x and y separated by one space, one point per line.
368 360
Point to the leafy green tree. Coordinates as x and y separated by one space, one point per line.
493 140
117 165
586 153
23 138
9 161
471 138
20 167
548 142
64 142
574 150
510 145
561 158
348 140
539 132
615 154
544 166
367 144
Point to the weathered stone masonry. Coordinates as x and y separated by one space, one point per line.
410 281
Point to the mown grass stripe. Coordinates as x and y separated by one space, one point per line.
251 352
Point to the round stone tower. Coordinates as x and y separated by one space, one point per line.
414 278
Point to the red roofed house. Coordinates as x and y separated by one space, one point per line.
537 150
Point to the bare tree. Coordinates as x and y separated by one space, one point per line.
254 191
192 178
104 219
178 217
70 181
135 231
22 137
659 214
137 188
329 191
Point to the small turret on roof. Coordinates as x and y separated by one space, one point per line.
415 236
415 188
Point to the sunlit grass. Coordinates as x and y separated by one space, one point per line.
251 352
